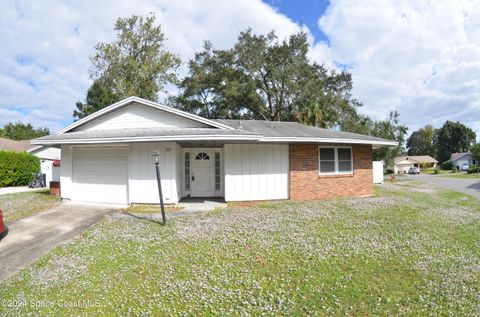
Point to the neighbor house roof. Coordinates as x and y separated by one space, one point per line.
13 145
239 130
416 159
456 156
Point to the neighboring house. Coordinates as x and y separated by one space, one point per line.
47 155
459 159
402 164
107 157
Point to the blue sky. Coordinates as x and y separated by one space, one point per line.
419 57
305 12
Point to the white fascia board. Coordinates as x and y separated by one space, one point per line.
33 149
150 139
326 140
146 103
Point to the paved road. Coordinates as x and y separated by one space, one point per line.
468 186
32 237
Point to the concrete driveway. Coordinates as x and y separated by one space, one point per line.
32 237
468 186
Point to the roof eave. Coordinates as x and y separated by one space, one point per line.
326 140
147 139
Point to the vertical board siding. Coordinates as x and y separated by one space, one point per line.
143 181
66 172
139 116
256 172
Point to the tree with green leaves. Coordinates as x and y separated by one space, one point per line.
98 97
453 137
389 128
421 141
264 78
213 88
135 64
22 131
475 151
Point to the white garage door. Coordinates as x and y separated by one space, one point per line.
100 175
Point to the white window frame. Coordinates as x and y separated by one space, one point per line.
335 153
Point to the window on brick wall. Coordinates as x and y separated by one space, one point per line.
333 160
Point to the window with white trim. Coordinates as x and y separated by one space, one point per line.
335 160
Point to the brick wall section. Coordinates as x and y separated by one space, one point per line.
306 184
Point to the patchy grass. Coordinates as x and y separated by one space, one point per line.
149 209
399 253
431 171
21 205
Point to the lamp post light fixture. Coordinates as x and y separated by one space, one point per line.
156 161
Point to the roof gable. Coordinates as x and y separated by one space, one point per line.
456 156
415 159
135 112
137 116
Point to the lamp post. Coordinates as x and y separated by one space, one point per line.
156 161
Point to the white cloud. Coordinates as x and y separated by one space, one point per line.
46 45
419 57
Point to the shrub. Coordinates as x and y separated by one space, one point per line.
473 169
17 168
447 165
436 170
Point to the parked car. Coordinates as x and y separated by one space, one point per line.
464 167
414 170
3 228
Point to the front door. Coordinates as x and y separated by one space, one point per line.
202 177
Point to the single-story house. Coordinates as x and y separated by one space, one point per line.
402 164
459 159
107 157
47 155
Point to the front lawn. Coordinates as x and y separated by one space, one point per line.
21 205
411 250
461 175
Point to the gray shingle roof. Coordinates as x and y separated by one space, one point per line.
456 156
416 158
279 129
263 131
145 132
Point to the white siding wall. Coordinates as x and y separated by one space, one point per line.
143 182
179 170
139 116
256 172
66 172
49 153
467 159
46 167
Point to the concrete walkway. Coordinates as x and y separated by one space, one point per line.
32 237
469 186
189 207
18 189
